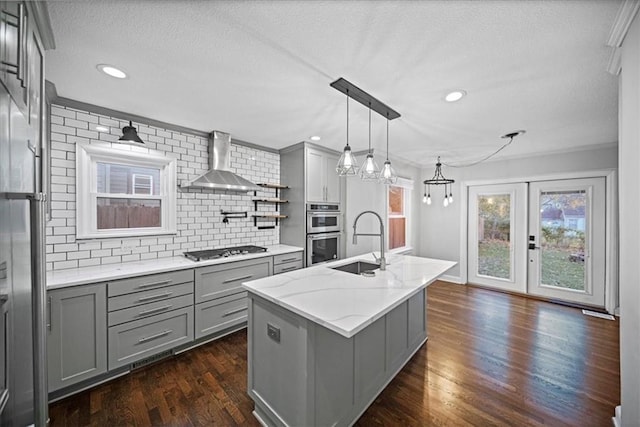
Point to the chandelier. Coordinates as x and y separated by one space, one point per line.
438 179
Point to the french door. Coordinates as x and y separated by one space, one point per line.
544 238
497 236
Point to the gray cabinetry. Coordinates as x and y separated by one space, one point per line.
149 315
287 262
77 341
220 301
321 179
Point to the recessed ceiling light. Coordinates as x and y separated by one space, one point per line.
455 95
102 128
112 71
314 138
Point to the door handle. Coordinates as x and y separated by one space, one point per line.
533 246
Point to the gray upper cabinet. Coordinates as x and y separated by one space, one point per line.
14 19
322 182
77 339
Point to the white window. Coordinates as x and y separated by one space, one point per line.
398 213
124 190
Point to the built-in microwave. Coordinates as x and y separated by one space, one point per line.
323 247
323 218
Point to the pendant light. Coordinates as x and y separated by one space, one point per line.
129 134
370 170
439 179
388 175
347 164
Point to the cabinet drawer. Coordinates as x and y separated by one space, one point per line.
285 258
150 309
226 279
142 283
214 316
151 295
137 340
289 266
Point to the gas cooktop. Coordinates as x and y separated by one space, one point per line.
223 252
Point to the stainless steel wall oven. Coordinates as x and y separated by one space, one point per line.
323 218
324 232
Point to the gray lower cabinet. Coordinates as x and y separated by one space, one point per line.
77 339
301 373
149 315
97 328
221 303
287 262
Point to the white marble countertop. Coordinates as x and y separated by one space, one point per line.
344 302
99 273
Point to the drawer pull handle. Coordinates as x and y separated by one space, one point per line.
148 285
153 337
295 267
149 298
234 311
288 259
238 278
155 310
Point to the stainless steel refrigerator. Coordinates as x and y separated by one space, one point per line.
23 388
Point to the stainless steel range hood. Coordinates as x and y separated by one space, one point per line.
219 177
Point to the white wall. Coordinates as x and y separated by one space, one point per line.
629 193
199 221
363 195
441 227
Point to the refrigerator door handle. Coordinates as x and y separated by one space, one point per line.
39 297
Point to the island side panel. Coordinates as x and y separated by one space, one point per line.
314 376
277 363
417 319
333 377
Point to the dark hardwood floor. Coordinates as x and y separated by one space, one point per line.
491 359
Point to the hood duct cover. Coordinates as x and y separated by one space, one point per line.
219 177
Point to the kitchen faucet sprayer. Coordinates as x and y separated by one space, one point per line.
381 260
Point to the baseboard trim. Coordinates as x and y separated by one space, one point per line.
452 279
617 420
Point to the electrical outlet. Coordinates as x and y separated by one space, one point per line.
273 332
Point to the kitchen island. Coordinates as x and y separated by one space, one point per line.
323 343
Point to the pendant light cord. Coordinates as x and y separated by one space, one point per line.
369 128
387 136
347 117
466 165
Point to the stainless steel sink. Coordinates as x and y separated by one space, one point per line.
357 267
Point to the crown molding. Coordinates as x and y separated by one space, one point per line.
626 13
614 65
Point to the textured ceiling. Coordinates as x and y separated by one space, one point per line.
260 70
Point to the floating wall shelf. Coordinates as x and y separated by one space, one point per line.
276 201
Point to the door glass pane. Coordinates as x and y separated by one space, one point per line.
562 239
494 236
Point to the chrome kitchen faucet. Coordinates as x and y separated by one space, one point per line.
381 260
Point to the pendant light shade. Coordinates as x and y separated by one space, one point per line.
370 170
347 164
388 176
129 134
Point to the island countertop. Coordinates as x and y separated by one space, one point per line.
344 302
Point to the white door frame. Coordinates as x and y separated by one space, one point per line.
611 223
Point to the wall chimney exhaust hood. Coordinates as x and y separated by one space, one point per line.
219 177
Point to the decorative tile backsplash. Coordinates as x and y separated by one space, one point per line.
199 222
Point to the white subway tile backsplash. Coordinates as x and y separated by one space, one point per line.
199 222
